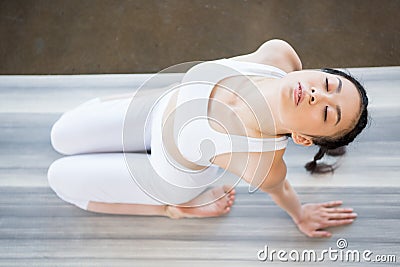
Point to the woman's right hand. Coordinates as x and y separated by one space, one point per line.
315 217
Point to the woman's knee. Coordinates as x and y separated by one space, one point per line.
64 184
66 132
56 179
59 137
64 136
56 175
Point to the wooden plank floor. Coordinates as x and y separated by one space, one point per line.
38 229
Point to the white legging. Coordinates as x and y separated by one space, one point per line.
96 170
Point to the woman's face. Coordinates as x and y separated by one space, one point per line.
315 103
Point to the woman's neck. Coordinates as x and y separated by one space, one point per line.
268 111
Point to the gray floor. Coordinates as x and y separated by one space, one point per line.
38 229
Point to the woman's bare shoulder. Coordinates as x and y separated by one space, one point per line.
260 169
277 53
266 170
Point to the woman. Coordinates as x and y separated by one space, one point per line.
231 114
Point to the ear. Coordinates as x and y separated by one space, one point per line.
301 139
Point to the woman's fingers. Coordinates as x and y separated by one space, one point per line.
331 204
331 207
320 233
338 210
323 215
339 216
332 223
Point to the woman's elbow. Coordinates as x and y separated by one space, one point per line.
276 179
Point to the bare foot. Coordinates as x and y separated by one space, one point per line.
212 203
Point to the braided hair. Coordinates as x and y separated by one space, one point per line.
335 146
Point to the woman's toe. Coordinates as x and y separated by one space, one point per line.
228 189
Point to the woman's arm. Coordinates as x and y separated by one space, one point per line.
281 191
277 53
286 198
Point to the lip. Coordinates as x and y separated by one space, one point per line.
298 94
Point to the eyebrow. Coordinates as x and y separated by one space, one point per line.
339 88
338 110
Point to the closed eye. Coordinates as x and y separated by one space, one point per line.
325 113
326 82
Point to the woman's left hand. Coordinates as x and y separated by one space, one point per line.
316 217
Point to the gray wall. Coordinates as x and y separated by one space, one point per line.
105 36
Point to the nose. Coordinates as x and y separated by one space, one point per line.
317 95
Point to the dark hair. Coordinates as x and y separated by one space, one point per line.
335 146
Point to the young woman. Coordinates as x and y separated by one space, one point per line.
229 114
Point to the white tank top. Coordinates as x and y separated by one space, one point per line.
197 141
